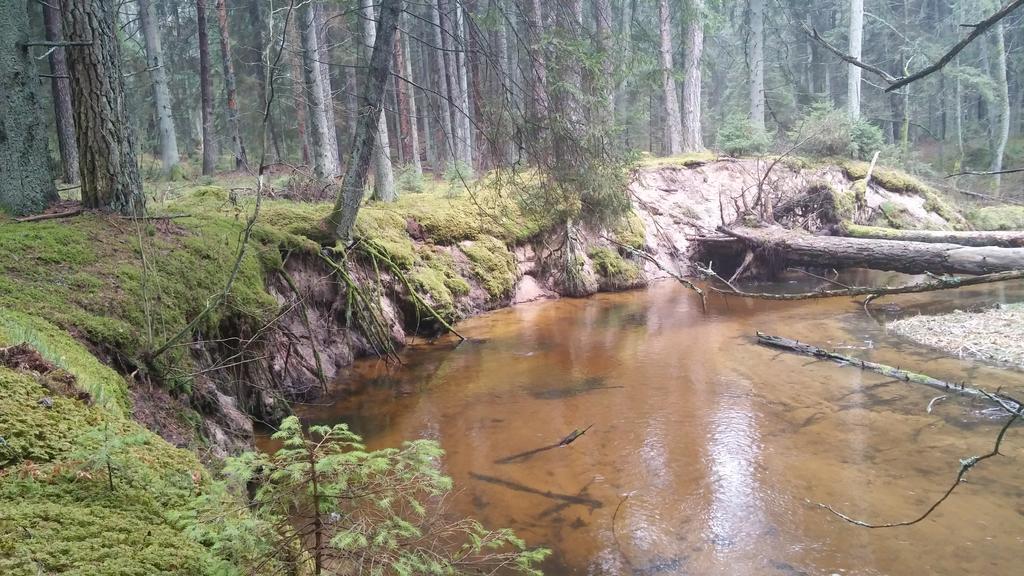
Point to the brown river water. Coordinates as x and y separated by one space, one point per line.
707 451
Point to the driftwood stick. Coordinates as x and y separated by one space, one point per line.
905 375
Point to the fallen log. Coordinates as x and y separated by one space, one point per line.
1010 404
50 216
897 255
1005 239
939 283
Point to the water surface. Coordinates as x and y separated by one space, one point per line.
707 451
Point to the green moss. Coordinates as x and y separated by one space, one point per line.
892 180
688 160
998 218
493 265
844 205
615 272
859 231
106 387
895 215
387 229
630 231
59 514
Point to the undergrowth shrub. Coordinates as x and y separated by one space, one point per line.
738 137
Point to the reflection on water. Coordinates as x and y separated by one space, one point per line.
705 448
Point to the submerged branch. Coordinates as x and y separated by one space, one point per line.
1001 400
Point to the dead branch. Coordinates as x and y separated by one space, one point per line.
896 83
965 466
50 216
987 173
584 501
652 260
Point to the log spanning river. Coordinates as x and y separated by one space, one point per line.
707 451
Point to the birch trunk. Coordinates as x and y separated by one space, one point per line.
60 88
26 185
854 72
384 179
229 85
755 59
1003 101
106 143
693 140
673 122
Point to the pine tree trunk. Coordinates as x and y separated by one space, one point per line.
537 110
446 149
325 165
60 86
103 130
298 91
206 90
413 138
259 25
603 41
323 57
26 185
346 207
692 137
462 75
755 59
384 178
673 122
229 85
402 95
854 72
169 156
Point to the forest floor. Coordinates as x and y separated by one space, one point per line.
995 334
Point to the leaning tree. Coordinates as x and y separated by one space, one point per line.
26 184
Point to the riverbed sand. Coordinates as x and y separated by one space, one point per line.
994 334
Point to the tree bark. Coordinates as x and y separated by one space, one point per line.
259 25
410 131
1002 131
384 179
673 122
26 185
537 111
169 156
206 90
799 249
60 88
755 59
299 92
325 164
446 150
603 41
103 130
229 85
323 43
346 207
853 71
462 76
1005 239
693 140
402 95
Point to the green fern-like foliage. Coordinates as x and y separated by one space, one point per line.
326 502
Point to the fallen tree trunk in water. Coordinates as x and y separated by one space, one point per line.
944 283
908 257
1005 239
1005 402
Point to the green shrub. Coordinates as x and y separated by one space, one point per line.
831 132
409 180
998 218
738 136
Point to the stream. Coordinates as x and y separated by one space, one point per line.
707 451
